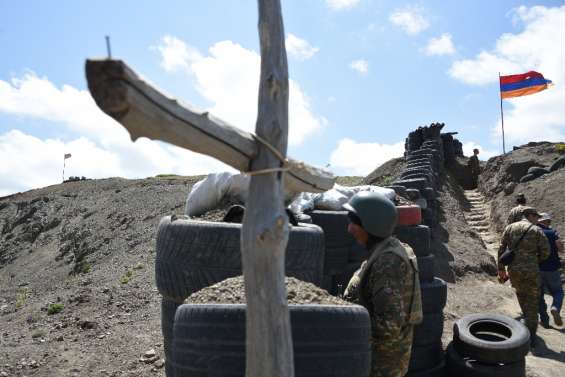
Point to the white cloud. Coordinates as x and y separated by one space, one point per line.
299 48
538 47
175 54
353 158
483 69
361 66
342 4
410 19
100 147
38 98
228 77
484 154
443 45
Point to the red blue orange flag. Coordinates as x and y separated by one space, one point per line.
523 84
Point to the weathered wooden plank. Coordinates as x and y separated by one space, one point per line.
146 112
265 230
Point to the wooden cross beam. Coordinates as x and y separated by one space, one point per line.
144 111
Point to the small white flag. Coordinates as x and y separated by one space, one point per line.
67 155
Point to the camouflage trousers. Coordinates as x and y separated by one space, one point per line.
527 285
390 357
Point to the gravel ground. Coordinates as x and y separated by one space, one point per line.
232 291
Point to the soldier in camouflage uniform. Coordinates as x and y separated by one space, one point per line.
515 214
387 283
530 247
475 167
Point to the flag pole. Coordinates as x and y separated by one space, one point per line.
64 167
501 115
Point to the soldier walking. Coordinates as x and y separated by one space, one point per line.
516 214
530 247
387 283
550 275
475 167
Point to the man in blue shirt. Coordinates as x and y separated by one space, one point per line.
550 274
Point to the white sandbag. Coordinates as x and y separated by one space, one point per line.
303 202
207 194
331 200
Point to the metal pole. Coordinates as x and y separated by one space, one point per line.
64 167
501 115
108 49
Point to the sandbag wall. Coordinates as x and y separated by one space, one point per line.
419 181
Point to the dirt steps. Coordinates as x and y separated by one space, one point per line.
478 219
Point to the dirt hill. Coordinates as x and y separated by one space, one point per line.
89 248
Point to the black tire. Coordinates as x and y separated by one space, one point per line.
527 178
399 190
430 330
429 193
434 296
209 340
413 194
192 255
437 371
417 170
417 236
458 365
418 183
491 338
426 357
428 166
337 239
558 164
427 177
168 309
537 171
426 268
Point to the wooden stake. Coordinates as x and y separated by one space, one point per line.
265 224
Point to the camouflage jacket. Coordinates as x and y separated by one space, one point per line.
387 285
532 250
515 214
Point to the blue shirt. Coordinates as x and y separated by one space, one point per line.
552 263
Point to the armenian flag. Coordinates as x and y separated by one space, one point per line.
523 84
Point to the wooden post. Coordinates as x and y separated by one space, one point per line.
265 224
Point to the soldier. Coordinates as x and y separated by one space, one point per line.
530 247
550 275
387 283
516 212
475 167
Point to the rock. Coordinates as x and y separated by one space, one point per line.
88 325
509 188
159 363
149 357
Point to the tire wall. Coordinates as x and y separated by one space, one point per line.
427 152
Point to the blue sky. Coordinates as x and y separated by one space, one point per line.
363 74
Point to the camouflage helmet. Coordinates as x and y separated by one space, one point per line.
377 213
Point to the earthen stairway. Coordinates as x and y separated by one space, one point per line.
478 219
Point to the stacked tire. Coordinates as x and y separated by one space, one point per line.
342 256
488 345
427 352
328 340
424 164
192 255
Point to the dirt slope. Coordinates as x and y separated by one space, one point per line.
88 245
